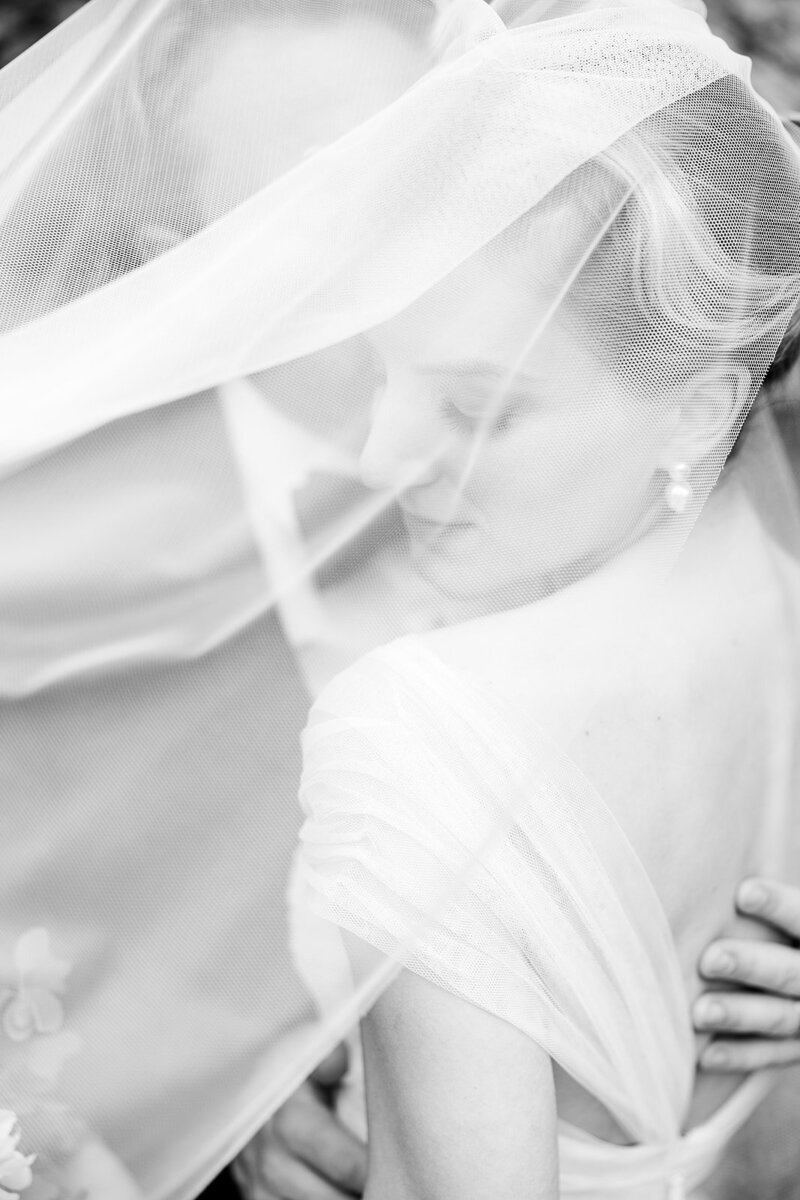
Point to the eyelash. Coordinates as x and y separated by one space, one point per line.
461 423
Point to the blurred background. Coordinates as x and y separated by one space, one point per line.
767 30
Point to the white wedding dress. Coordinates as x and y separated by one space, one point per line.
558 931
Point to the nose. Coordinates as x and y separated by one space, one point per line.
402 448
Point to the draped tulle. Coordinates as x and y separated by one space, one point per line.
558 930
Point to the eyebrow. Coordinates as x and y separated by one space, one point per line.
477 368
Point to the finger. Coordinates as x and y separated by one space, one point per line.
740 1012
289 1179
248 1182
749 1054
762 965
777 903
332 1070
313 1134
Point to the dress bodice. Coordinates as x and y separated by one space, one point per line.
414 777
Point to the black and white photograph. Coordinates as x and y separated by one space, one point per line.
399 600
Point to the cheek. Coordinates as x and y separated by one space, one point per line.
570 468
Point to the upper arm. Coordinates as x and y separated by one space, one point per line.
460 1103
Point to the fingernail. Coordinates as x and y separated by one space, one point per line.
715 1056
711 1012
720 962
752 897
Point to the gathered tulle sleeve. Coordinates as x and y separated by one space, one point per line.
489 865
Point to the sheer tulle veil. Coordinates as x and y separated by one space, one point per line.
321 324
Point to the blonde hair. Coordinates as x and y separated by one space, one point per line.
682 262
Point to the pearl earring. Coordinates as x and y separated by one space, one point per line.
679 491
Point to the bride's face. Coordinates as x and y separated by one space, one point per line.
509 465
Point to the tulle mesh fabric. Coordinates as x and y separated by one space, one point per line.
324 324
412 768
409 772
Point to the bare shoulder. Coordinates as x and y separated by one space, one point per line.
665 701
617 643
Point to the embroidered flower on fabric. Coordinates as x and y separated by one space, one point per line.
15 1167
32 1005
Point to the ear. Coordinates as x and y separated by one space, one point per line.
707 412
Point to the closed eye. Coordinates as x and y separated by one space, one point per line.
466 413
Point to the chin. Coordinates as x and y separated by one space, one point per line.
467 580
481 584
471 569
